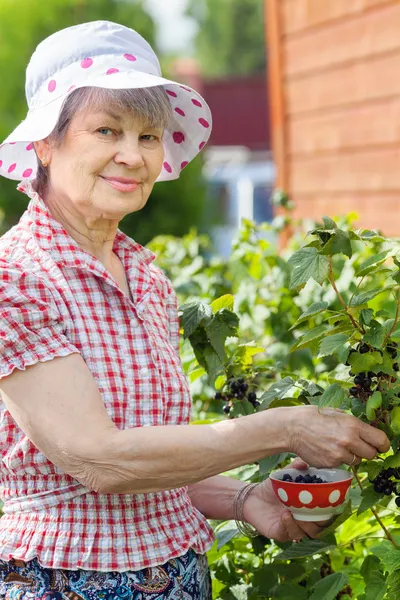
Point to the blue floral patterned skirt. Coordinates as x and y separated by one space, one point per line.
183 578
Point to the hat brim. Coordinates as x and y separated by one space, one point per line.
185 136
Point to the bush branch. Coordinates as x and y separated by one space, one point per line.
377 517
396 318
338 294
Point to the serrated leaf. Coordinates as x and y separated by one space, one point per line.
278 389
376 586
392 461
333 397
393 582
332 343
372 261
308 264
370 563
376 336
364 362
329 223
192 315
339 243
308 547
365 297
311 311
240 591
328 587
309 336
226 301
244 353
224 324
389 555
373 468
370 235
366 315
369 499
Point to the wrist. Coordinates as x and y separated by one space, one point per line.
238 510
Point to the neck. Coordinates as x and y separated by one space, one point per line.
95 235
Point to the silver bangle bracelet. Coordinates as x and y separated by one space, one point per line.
238 503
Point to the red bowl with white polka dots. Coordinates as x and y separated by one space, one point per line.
313 501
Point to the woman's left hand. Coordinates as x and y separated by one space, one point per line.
271 518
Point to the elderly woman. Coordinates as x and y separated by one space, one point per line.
106 487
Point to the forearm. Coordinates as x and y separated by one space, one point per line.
214 496
148 459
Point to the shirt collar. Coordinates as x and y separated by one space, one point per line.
52 237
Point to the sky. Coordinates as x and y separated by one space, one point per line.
175 31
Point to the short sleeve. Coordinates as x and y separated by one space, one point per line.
31 330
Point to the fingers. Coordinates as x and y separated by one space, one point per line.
363 450
298 463
375 437
297 530
293 529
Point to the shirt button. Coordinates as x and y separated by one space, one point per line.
144 371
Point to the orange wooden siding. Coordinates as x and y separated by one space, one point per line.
339 78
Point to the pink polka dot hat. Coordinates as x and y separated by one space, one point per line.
107 55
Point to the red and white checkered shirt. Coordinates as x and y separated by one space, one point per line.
56 299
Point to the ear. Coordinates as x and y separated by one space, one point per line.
43 150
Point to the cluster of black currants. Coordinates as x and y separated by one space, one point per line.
384 484
363 383
236 389
307 478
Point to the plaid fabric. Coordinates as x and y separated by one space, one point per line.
56 299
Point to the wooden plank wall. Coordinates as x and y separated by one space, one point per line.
339 78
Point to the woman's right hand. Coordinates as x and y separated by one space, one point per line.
330 437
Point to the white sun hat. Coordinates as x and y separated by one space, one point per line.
106 55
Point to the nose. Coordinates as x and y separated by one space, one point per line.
129 153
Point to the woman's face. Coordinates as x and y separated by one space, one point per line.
107 164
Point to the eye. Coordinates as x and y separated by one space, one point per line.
149 138
104 130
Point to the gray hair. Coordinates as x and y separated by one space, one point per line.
151 105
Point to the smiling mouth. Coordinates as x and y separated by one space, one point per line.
122 185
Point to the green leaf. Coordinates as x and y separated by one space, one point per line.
366 315
290 591
308 548
339 520
277 390
373 468
192 315
223 324
309 336
373 260
329 223
370 235
244 353
369 499
339 243
370 563
308 264
312 310
365 297
328 587
376 586
332 343
389 555
333 396
225 536
393 582
376 336
364 362
240 591
270 463
392 461
226 301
